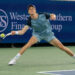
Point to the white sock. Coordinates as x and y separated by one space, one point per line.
74 56
17 56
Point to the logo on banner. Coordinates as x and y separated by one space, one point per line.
3 20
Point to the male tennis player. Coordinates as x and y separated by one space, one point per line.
41 31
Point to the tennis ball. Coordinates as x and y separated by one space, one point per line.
2 35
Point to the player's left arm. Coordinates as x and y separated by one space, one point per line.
52 16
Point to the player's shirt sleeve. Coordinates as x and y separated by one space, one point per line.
29 22
47 15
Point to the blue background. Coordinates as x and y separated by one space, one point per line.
66 8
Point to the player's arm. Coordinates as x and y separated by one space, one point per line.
20 32
52 17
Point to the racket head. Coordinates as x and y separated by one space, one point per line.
1 39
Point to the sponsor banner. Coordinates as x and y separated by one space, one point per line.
13 16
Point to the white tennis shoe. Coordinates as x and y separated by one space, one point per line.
12 62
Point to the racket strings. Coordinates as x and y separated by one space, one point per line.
1 39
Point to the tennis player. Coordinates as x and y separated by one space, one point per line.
41 26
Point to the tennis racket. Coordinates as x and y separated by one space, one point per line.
6 35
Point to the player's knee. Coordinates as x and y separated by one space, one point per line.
62 47
29 45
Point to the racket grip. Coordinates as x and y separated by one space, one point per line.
9 34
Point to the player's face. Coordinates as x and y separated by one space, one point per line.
32 10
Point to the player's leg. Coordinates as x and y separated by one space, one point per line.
32 41
57 43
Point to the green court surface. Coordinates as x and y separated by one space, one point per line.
34 60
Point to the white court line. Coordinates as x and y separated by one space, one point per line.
45 72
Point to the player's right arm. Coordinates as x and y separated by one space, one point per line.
20 32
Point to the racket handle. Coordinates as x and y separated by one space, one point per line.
9 34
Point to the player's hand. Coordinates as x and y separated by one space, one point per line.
13 32
52 16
